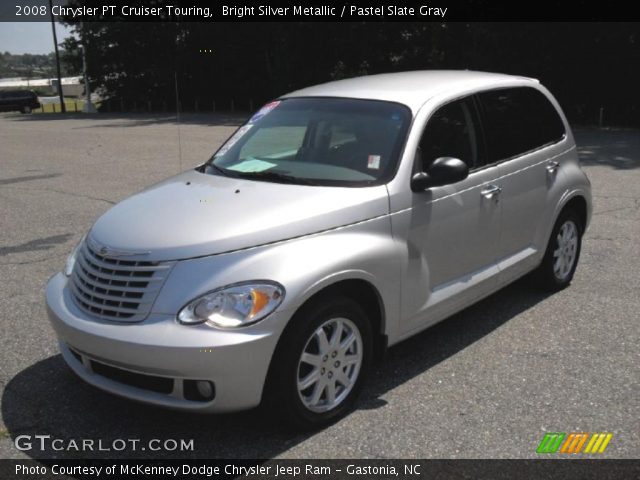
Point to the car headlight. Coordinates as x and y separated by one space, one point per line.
236 305
71 259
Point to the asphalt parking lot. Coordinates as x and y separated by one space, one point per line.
486 383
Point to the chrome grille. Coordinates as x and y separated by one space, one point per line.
116 288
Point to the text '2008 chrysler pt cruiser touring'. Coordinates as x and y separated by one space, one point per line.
339 220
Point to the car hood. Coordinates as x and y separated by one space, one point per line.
195 214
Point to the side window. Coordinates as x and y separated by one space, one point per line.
451 132
518 120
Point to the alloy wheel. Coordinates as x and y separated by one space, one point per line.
566 248
329 365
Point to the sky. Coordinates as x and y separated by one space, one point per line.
30 37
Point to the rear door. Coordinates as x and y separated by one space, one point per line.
523 133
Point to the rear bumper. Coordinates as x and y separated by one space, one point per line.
236 362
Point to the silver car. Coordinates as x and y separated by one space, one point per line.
339 220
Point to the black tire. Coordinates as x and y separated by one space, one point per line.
25 110
281 389
546 277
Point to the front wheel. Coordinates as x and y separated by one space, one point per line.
321 362
563 251
26 109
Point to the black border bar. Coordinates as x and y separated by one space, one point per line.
549 469
319 11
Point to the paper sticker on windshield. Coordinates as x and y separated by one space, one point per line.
252 165
232 141
264 110
373 162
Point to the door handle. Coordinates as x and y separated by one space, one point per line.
491 191
552 167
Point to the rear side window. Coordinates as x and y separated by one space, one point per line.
518 120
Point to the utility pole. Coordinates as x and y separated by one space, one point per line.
88 106
55 44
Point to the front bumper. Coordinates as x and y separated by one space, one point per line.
235 361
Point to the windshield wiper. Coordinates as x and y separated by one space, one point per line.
220 171
277 177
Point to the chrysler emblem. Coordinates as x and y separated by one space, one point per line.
110 252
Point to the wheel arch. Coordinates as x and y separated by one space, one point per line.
356 288
577 202
362 291
576 199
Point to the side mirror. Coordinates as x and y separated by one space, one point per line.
443 171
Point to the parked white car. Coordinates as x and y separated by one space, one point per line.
339 220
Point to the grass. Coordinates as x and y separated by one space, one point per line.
71 104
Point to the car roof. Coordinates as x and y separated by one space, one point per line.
409 88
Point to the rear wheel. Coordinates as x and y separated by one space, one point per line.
563 251
321 362
26 109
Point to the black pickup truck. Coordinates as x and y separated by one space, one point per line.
18 101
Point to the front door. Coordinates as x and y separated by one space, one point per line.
453 230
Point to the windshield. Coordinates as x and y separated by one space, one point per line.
317 141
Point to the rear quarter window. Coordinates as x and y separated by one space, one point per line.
517 121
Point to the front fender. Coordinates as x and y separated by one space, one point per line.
304 266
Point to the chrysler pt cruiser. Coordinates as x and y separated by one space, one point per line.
339 220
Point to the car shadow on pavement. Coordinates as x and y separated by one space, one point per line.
47 399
